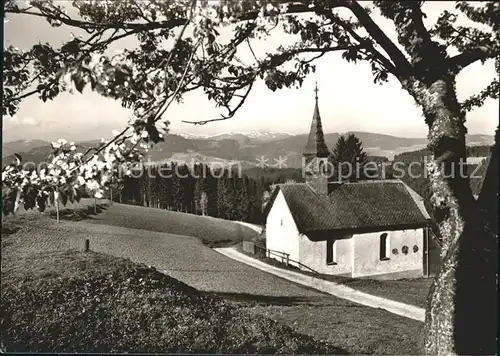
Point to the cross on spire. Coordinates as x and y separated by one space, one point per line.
316 146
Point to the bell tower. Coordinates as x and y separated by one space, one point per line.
315 155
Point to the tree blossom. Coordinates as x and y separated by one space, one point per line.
69 172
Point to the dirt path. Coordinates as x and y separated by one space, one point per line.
256 228
331 288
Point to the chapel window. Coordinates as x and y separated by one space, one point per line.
331 252
384 247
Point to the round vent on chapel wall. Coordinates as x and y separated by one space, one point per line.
405 249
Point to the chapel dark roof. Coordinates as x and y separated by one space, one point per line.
316 146
354 206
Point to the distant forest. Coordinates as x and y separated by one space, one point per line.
471 151
421 185
219 193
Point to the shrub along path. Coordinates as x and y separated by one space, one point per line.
141 235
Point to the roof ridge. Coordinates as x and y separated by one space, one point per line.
376 181
355 206
418 200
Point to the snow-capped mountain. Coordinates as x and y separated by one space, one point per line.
259 136
191 136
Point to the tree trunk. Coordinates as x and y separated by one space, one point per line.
488 197
461 305
150 196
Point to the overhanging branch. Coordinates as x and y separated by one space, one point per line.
293 8
168 24
365 43
464 59
273 62
231 111
402 65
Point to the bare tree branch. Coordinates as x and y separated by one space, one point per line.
231 112
412 33
367 44
492 90
274 61
25 95
253 53
168 24
293 8
464 59
402 65
161 111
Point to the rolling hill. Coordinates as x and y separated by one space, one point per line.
20 146
244 148
35 151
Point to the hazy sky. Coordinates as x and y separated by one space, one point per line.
348 98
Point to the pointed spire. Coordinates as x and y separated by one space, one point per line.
316 146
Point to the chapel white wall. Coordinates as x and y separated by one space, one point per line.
313 255
281 231
366 259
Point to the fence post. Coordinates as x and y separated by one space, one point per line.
56 198
57 212
287 259
87 245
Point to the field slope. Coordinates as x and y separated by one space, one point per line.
352 328
211 231
88 302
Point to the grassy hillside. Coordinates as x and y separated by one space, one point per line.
88 302
211 231
354 328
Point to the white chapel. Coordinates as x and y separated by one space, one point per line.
363 229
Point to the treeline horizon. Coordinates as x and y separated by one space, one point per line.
220 193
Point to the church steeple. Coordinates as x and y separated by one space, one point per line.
316 154
316 146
